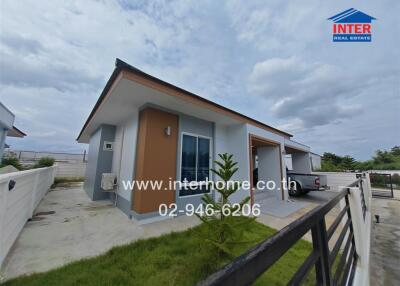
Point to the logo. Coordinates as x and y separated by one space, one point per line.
352 26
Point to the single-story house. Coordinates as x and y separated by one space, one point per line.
143 128
7 128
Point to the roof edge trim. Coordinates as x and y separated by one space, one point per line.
121 65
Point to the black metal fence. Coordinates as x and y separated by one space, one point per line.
329 270
381 185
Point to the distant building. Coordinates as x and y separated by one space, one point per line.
7 128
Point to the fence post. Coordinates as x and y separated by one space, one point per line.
357 218
367 190
320 244
362 235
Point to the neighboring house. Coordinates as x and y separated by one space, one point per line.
143 128
6 127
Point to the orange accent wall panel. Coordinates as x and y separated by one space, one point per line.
155 158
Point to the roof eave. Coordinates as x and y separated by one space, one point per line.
121 65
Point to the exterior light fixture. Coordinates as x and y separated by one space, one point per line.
168 130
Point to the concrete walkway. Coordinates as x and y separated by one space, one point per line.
68 226
385 243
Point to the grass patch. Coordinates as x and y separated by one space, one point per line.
174 259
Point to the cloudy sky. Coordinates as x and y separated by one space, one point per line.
272 60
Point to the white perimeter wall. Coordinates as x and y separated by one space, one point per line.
124 152
71 169
336 180
391 172
18 205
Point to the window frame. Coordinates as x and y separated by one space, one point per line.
197 148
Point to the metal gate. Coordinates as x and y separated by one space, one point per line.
381 185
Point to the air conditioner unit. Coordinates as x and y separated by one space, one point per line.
108 182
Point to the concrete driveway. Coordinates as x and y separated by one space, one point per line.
69 226
297 207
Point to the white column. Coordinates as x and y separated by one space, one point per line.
269 167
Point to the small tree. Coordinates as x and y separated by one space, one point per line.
224 229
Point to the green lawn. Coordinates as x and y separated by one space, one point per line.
173 259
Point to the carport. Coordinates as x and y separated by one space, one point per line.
298 157
266 165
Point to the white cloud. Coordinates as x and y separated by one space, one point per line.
306 92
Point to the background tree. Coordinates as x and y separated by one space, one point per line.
396 151
348 163
382 160
383 157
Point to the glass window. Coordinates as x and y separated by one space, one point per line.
188 169
195 165
203 159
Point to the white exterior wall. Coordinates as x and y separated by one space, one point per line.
316 161
288 162
301 163
234 140
268 160
18 205
6 123
6 117
124 160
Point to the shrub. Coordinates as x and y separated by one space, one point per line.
13 161
44 162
